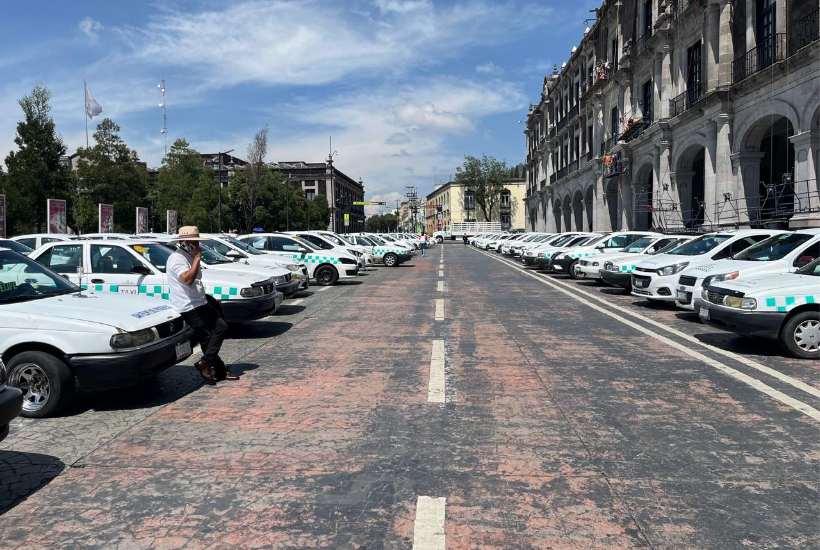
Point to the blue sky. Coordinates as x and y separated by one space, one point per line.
404 87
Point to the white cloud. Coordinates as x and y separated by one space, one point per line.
398 138
488 67
402 6
427 117
91 28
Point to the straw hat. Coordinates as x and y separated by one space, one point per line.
188 233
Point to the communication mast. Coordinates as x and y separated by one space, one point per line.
164 129
413 204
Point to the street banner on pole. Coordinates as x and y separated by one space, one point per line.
142 220
171 219
56 209
347 220
106 218
2 216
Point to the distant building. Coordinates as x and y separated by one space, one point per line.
340 190
225 169
456 203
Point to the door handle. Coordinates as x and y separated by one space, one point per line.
97 281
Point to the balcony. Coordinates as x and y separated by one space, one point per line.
760 57
614 166
609 145
553 178
585 158
553 131
685 100
641 41
601 75
562 124
635 128
572 167
561 173
572 113
806 31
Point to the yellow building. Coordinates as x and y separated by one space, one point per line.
452 203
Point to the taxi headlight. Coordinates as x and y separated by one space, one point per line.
704 293
594 264
721 277
293 267
132 339
672 269
251 292
737 302
540 254
609 266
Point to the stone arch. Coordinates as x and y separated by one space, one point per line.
578 210
690 184
642 186
567 213
752 129
589 206
810 112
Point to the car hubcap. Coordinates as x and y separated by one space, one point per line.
324 276
807 335
33 382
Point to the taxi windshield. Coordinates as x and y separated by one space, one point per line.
155 253
812 268
22 279
212 257
638 245
701 245
307 244
671 246
773 248
377 240
244 247
17 247
333 238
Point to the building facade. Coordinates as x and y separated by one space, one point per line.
453 202
340 190
687 114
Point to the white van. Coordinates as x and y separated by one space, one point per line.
138 268
324 266
656 277
782 253
52 334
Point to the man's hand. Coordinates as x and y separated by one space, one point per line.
196 250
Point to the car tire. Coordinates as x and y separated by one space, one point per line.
571 270
439 240
37 373
801 335
326 275
391 260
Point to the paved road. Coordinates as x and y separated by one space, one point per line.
535 413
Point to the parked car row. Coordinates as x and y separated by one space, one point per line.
754 282
93 312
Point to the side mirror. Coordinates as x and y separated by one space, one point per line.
600 246
235 254
303 250
804 260
140 270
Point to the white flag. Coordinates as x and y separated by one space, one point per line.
92 108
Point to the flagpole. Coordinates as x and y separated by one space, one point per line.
85 111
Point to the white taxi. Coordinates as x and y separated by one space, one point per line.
784 307
324 266
52 335
138 267
383 252
570 261
617 267
325 240
656 277
778 254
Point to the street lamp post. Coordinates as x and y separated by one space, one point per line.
219 180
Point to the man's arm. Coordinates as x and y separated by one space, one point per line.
188 277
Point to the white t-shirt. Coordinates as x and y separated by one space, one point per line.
184 297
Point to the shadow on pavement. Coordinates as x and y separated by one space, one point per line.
23 474
263 329
289 309
738 344
615 291
304 294
242 368
348 283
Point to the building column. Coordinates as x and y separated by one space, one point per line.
709 172
746 169
626 204
751 11
666 81
806 190
712 49
657 81
597 128
723 165
727 44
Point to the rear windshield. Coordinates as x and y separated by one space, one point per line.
638 245
773 248
14 245
701 245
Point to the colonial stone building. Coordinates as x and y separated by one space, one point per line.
454 202
687 114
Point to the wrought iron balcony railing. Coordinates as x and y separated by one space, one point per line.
758 58
685 100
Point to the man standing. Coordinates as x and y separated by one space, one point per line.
189 299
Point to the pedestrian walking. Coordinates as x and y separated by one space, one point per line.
423 244
188 298
465 239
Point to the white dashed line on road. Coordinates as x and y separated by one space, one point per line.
295 302
441 273
435 388
322 288
439 310
576 294
428 529
440 286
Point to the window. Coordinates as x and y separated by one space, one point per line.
469 200
258 243
739 246
63 258
505 199
693 71
621 241
112 259
283 244
613 121
766 14
310 194
647 100
647 18
318 241
31 243
774 248
505 220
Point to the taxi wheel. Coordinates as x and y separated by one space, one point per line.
572 270
326 275
391 260
439 240
801 335
46 382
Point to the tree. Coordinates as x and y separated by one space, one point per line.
34 170
380 223
108 173
485 178
185 184
318 212
247 191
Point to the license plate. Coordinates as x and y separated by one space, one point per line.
183 349
704 313
683 296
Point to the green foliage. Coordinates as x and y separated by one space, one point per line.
485 177
34 170
107 173
380 223
186 185
319 212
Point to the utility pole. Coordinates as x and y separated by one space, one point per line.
287 203
219 181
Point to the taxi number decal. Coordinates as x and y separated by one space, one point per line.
147 312
5 287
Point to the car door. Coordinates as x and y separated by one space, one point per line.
113 268
65 259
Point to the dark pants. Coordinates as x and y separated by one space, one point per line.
423 248
210 330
